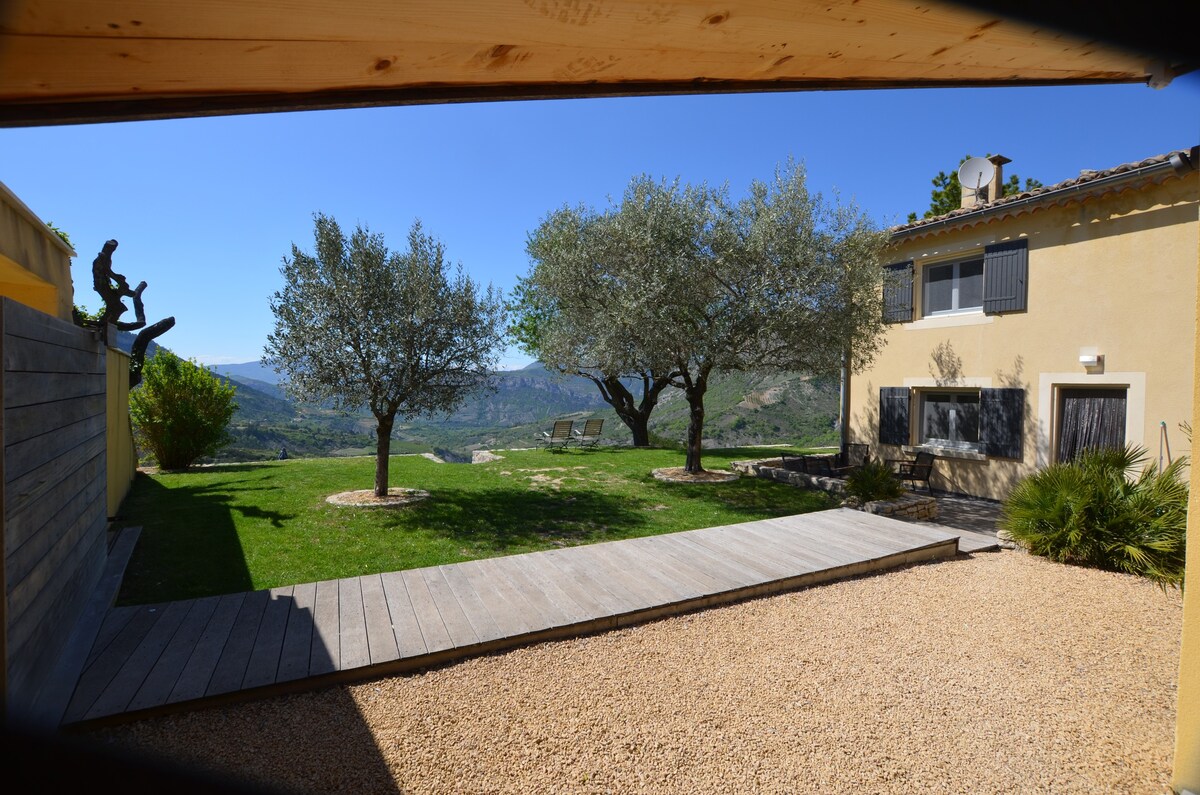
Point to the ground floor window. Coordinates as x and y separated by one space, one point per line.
988 421
950 419
1090 418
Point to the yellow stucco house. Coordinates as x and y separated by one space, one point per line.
1025 328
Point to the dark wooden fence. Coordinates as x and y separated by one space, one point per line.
54 500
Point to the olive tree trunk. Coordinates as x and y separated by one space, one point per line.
694 390
383 446
635 414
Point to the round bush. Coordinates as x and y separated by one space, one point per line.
180 411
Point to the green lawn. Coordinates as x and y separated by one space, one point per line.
241 527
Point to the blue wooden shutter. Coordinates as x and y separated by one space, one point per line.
1002 422
1005 273
898 292
893 415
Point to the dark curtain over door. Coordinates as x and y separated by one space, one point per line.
1090 418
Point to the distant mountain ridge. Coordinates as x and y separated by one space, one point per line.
741 408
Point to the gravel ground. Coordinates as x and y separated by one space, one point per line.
995 673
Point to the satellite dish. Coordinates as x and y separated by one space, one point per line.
976 173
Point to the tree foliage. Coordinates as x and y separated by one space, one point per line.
566 332
180 410
399 332
946 195
683 281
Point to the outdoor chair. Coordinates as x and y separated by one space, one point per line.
854 456
560 435
590 435
819 465
919 469
791 462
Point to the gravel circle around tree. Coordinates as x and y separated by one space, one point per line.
681 475
365 498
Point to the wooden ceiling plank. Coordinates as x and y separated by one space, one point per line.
162 68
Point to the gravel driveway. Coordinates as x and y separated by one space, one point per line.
994 673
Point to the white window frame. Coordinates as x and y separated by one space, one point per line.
950 444
955 309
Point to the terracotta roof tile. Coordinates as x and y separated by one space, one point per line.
1084 177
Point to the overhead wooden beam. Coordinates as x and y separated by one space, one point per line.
64 61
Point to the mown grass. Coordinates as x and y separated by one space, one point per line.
240 527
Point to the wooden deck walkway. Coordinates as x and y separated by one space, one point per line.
153 658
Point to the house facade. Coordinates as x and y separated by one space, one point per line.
1023 329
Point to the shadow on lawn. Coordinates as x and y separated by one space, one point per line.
501 521
190 534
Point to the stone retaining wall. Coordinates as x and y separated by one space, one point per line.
907 506
772 469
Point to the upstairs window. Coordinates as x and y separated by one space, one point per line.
995 283
953 287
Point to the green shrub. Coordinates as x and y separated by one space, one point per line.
1092 512
874 480
180 411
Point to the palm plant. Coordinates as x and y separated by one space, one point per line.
874 480
1095 512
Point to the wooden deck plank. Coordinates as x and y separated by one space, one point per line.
355 651
454 618
552 614
133 673
537 610
235 657
614 600
719 544
647 565
325 655
147 657
837 535
114 621
583 595
622 577
404 620
770 543
730 574
482 622
381 639
544 576
197 672
166 672
97 675
845 533
433 629
711 579
513 615
296 653
268 644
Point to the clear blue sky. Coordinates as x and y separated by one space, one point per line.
205 209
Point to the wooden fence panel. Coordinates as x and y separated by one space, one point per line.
54 489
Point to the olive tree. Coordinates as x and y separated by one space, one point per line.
571 322
399 332
687 282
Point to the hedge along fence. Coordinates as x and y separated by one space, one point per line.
54 477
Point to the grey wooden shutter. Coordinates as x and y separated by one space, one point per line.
893 415
1002 422
898 292
1005 273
